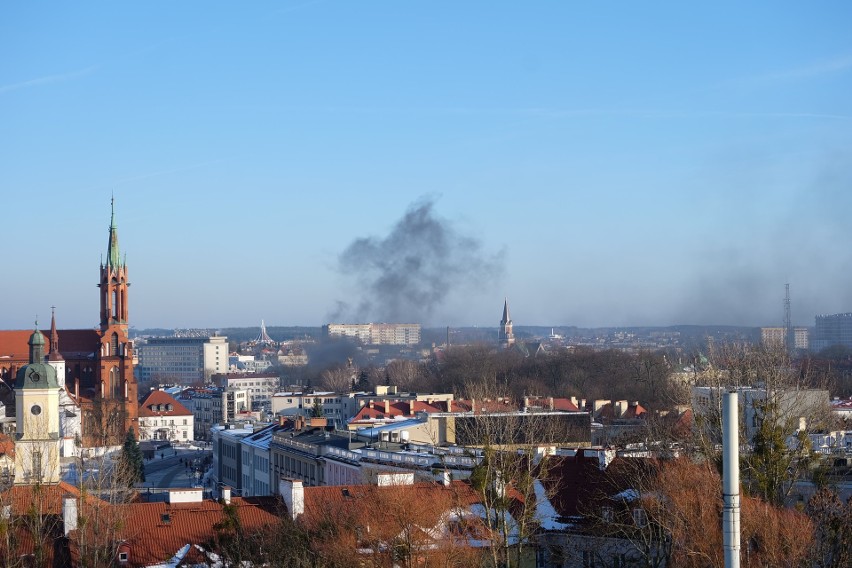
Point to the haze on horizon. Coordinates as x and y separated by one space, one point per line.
298 162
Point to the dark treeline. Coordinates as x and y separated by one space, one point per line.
584 373
475 371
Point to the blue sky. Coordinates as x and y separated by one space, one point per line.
616 163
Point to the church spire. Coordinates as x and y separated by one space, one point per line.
505 335
113 255
54 355
506 319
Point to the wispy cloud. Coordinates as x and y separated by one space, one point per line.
47 79
810 71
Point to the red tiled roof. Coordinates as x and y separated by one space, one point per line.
162 398
155 538
7 446
48 497
13 343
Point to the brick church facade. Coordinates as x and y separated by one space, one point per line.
98 362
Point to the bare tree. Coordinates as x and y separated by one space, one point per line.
407 375
506 479
337 379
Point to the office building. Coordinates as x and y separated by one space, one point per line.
832 330
182 360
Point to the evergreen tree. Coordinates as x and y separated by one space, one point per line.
364 381
316 411
131 462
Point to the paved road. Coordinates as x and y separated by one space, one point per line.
171 471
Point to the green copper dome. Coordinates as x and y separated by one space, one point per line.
38 374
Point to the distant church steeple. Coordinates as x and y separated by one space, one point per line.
506 337
54 355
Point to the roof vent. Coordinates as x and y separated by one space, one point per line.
166 518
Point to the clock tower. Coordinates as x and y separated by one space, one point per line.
37 419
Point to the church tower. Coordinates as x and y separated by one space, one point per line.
506 337
117 388
37 418
55 359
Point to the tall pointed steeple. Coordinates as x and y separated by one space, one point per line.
506 337
113 282
113 254
54 355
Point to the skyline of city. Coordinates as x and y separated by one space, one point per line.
308 162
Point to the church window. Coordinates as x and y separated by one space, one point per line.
113 344
114 304
36 410
116 391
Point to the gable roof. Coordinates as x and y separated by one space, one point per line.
73 343
159 399
159 530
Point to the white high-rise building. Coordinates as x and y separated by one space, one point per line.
182 360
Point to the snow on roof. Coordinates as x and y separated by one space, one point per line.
627 495
545 513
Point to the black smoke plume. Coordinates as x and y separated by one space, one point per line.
405 276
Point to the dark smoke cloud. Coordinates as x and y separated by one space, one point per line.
405 276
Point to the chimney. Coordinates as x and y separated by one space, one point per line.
526 403
226 495
620 407
281 420
411 407
293 493
575 402
77 388
446 478
372 405
387 407
473 405
550 402
69 514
